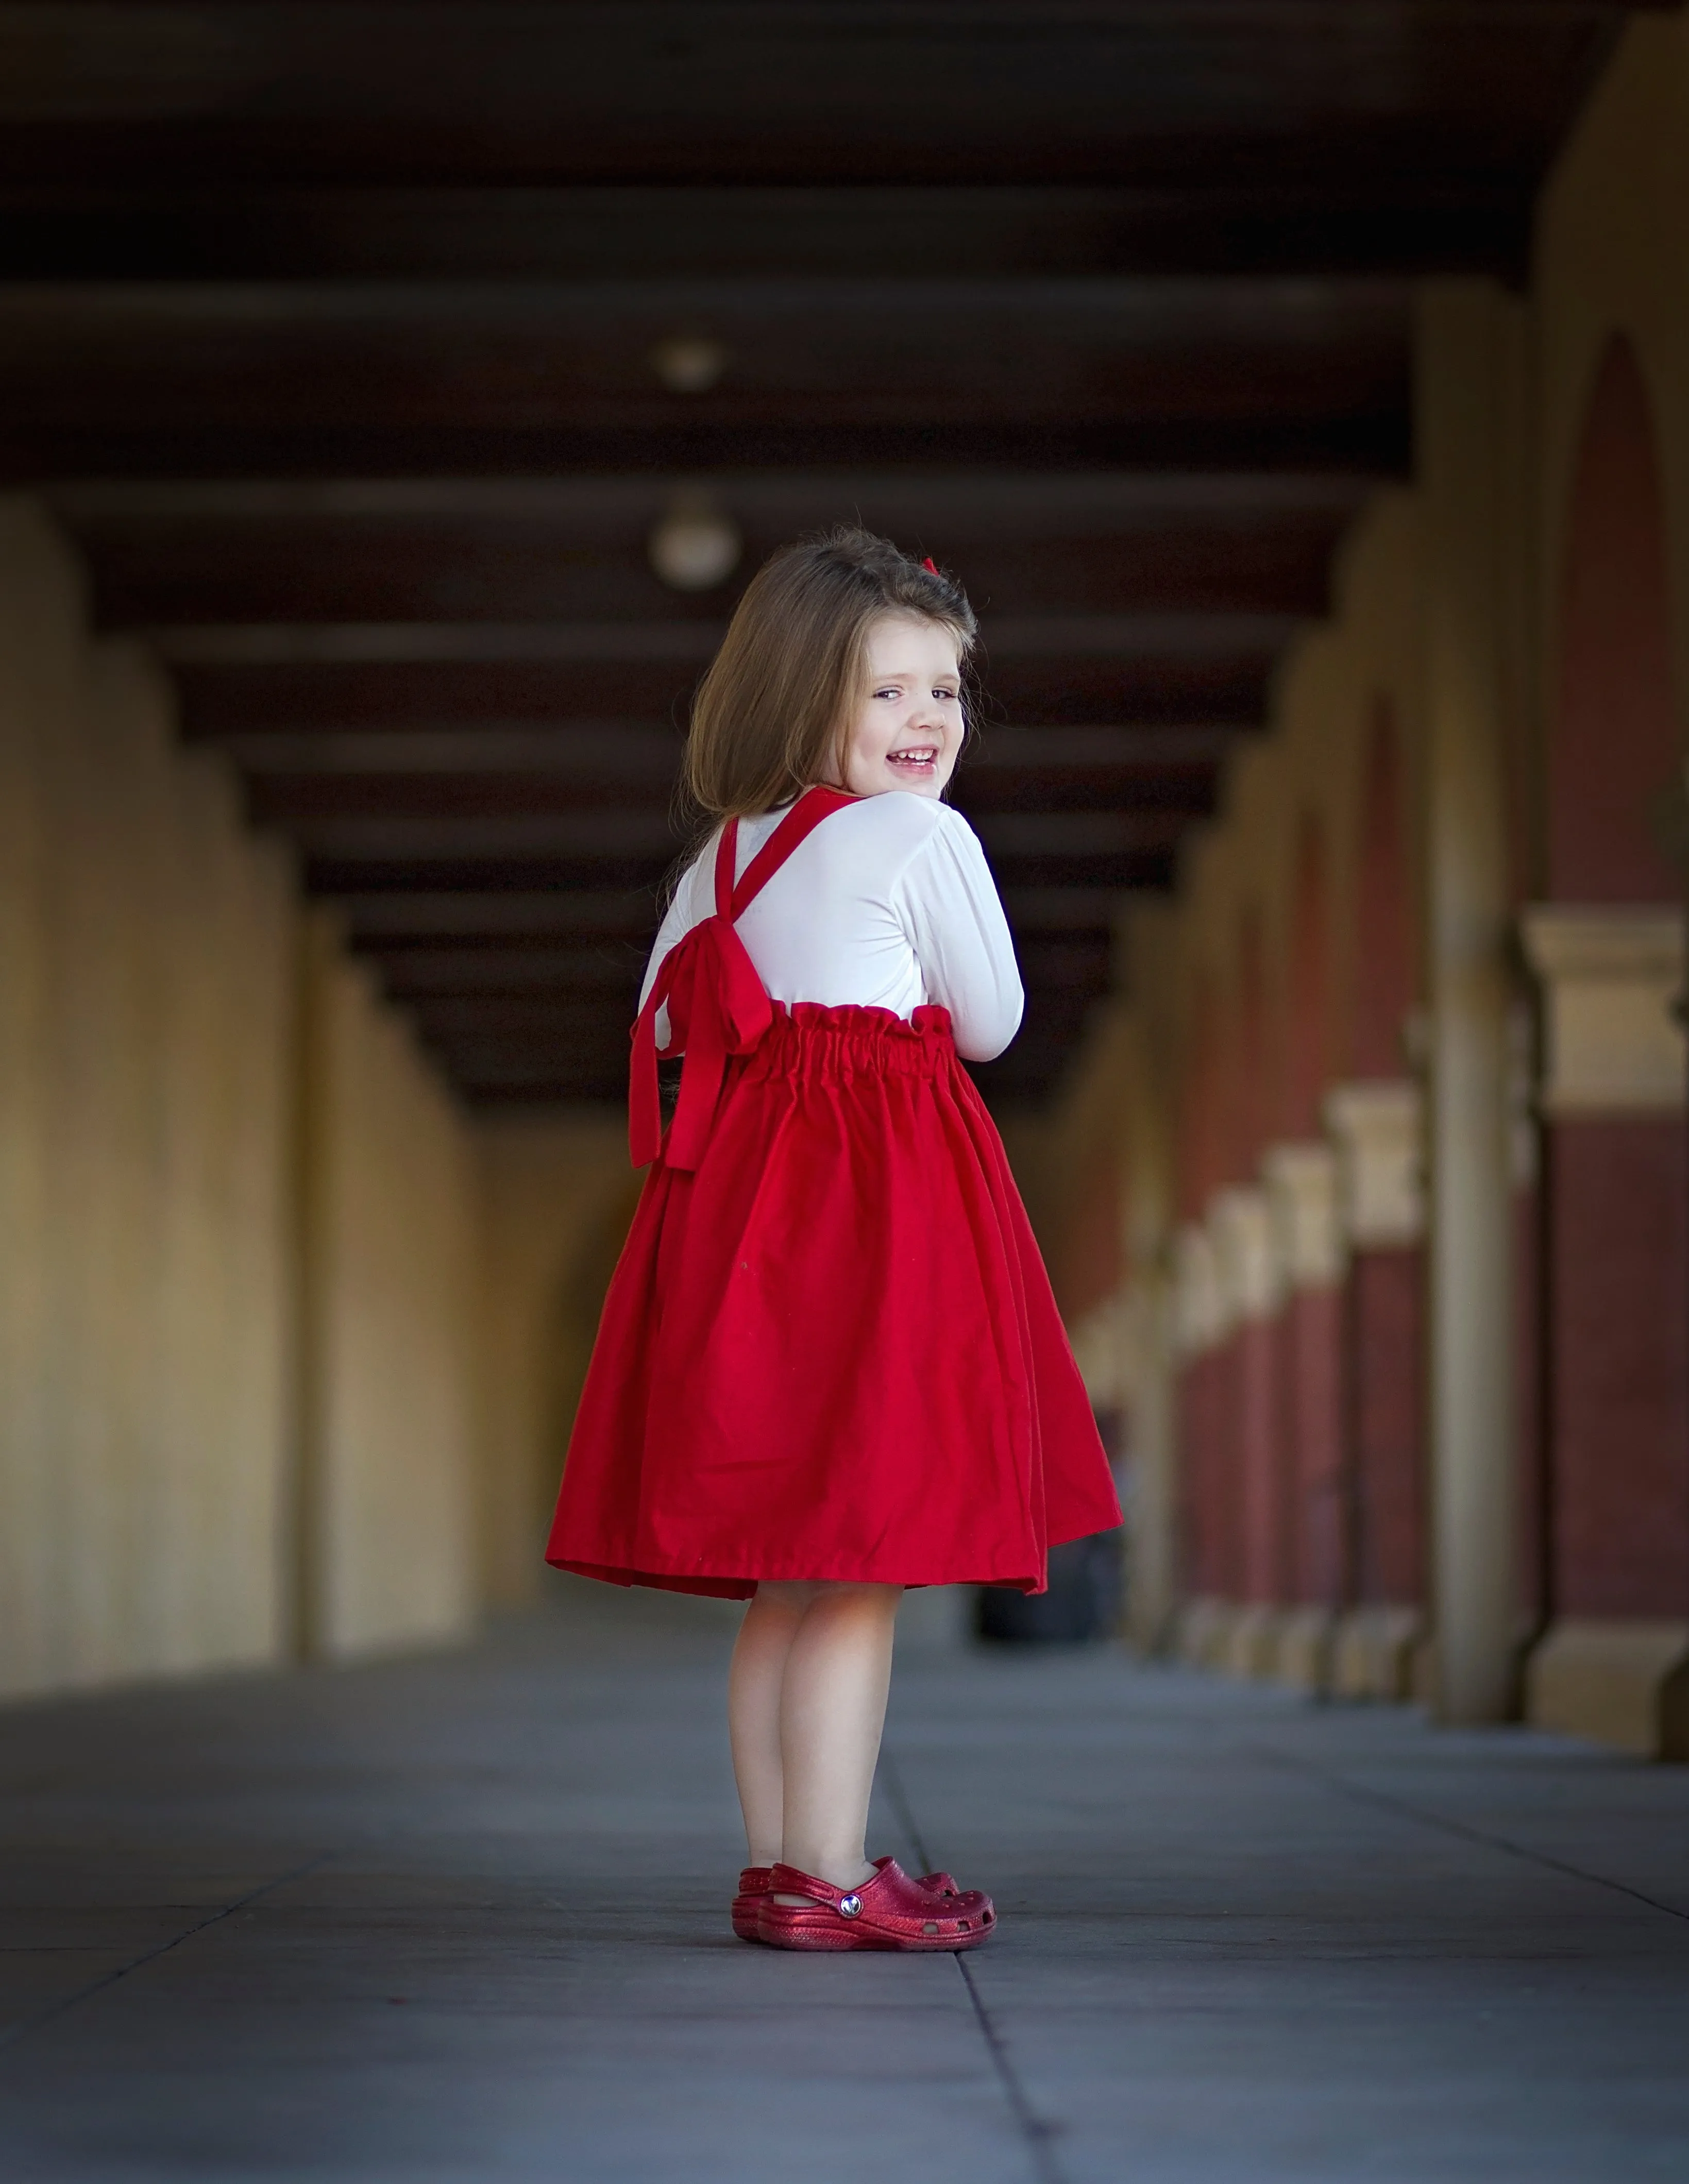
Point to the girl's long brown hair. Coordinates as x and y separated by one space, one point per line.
772 713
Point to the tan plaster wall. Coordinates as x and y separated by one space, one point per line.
390 1250
556 1196
146 1021
240 1246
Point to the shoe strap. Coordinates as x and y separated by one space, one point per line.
786 1880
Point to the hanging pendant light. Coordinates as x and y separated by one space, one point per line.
694 547
689 363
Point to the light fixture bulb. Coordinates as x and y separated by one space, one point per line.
688 364
694 547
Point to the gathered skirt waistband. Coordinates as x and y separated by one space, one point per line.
807 1039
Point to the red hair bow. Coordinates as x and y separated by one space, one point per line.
930 565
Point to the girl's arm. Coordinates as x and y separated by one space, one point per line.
681 915
955 921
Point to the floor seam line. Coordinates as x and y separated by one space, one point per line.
15 2035
1385 1802
1035 2130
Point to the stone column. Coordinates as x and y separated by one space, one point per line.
1378 1129
1152 1515
1241 1224
1470 424
1301 1190
1614 1662
1206 1513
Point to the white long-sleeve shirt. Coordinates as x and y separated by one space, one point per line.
888 904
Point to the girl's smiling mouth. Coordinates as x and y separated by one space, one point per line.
914 758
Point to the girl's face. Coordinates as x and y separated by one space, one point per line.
907 727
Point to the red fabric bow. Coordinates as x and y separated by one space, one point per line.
931 565
718 1006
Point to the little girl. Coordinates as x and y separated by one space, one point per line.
830 1365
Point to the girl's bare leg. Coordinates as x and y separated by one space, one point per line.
754 1685
831 1714
806 1706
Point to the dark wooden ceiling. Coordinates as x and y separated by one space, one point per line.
333 334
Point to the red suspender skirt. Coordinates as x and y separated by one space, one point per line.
829 1349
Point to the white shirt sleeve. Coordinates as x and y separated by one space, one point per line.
684 911
948 903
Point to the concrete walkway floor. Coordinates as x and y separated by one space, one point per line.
465 1918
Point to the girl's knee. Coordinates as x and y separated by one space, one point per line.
791 1593
883 1599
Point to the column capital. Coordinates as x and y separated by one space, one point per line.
1250 1278
1610 974
1198 1315
1301 1181
1378 1128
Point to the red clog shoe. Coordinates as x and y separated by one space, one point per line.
754 1885
752 1888
889 1911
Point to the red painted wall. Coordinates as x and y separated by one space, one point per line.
1618 1304
1386 1351
1256 1441
1248 1086
1312 1347
1615 740
1307 1058
1206 1491
1200 1150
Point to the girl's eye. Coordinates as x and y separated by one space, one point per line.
892 693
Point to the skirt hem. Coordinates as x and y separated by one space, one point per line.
740 1585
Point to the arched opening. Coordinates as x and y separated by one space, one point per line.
1615 1483
1614 743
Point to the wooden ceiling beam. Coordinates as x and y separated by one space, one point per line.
1162 682
464 810
522 876
1410 223
393 378
678 91
513 968
528 873
1366 439
569 831
410 921
612 972
1258 544
415 917
490 1072
642 755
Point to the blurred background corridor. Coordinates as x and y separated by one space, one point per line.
394 400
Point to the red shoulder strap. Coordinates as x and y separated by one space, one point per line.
814 805
726 857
